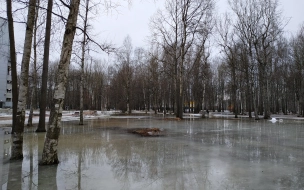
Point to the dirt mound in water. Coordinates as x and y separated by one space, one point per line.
147 132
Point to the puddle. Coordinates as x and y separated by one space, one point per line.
196 154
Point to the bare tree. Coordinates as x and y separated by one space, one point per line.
154 77
43 95
34 72
17 136
176 30
229 47
49 155
13 62
297 69
259 25
83 46
124 56
140 77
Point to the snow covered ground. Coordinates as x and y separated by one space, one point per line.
6 116
274 117
73 115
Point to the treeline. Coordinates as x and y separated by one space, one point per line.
257 70
231 82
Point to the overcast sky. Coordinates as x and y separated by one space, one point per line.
134 20
293 9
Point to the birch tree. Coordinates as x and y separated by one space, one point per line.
34 74
83 46
176 29
259 25
17 135
124 56
229 47
49 155
298 69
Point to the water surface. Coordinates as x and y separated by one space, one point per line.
192 154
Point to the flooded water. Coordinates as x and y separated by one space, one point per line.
192 154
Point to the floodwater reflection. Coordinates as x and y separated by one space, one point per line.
195 154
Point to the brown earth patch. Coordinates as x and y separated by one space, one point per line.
147 132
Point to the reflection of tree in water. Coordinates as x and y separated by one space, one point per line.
30 167
135 161
75 155
123 162
265 147
292 181
155 162
14 177
255 144
23 174
26 174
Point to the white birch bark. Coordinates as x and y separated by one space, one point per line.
34 87
17 135
82 62
49 155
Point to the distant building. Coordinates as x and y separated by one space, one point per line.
5 66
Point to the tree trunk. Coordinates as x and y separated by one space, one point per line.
155 103
235 104
203 101
49 155
249 95
234 91
128 94
266 99
82 63
30 117
255 97
43 98
145 101
13 62
181 94
34 75
17 136
81 95
176 93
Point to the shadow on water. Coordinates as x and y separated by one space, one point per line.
194 154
